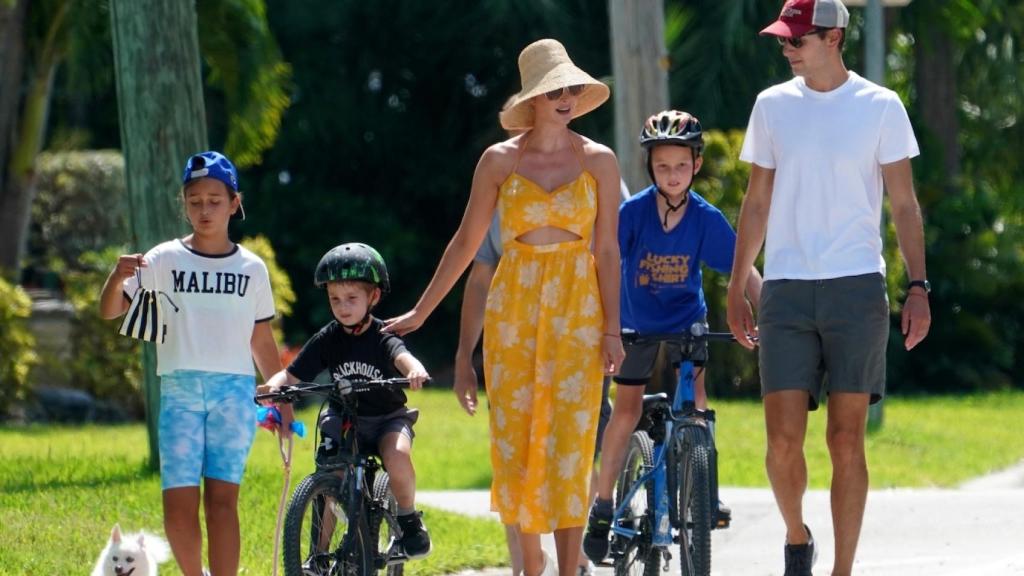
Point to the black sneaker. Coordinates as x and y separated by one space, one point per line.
724 519
800 558
595 541
414 541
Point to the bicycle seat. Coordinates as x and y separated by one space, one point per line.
652 400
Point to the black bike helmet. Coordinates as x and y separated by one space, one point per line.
353 261
673 127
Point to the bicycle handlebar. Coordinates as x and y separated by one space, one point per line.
344 387
698 332
679 337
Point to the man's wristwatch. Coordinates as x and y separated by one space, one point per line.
923 284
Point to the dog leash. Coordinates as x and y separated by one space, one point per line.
286 458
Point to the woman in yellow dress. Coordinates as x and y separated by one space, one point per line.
552 324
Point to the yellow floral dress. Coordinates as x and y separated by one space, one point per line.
542 357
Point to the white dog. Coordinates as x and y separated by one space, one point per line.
131 554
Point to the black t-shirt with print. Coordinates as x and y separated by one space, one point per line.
368 356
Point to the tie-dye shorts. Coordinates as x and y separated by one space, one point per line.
207 425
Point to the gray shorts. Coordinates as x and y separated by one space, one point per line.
638 367
824 336
371 429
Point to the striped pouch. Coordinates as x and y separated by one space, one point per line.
145 318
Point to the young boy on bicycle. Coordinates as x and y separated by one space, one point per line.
665 232
352 347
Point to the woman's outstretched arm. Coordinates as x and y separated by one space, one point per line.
463 246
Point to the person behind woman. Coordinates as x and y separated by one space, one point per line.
207 416
552 319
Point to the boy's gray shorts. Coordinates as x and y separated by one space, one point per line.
824 336
371 429
638 367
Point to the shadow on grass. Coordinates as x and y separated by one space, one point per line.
29 483
481 482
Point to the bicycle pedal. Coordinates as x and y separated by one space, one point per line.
723 523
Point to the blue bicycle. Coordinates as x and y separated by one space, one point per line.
668 491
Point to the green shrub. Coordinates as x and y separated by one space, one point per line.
16 343
80 206
103 363
731 370
280 283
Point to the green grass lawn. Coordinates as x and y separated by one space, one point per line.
926 441
61 489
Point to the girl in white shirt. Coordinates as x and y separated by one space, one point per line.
218 324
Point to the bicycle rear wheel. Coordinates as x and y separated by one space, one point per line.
692 457
382 532
637 556
318 538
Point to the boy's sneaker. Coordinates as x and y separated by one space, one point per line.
414 541
800 558
595 541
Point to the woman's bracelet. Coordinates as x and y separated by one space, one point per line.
613 335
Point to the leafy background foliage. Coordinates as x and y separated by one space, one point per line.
383 108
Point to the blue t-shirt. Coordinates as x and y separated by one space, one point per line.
662 289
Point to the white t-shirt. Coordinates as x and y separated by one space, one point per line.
220 298
827 150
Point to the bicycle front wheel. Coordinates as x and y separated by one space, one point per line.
636 557
692 463
382 531
318 537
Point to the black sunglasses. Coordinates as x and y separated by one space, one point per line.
798 41
574 90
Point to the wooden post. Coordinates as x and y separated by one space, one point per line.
640 68
163 121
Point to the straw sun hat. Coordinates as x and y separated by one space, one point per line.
545 66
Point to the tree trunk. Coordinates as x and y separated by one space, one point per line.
19 189
20 160
640 69
936 94
163 121
12 54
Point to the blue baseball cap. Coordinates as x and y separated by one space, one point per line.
214 165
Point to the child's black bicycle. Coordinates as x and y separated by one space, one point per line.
668 491
341 520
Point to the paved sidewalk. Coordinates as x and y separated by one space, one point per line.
977 530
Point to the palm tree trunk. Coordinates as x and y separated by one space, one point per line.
163 121
19 179
936 94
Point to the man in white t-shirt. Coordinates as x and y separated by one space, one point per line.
820 147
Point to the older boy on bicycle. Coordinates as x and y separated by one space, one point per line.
665 232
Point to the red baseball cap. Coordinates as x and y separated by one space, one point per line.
799 17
